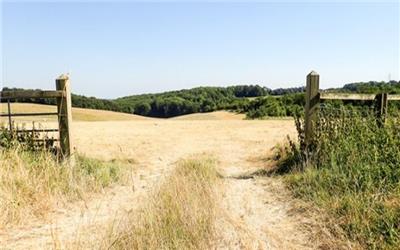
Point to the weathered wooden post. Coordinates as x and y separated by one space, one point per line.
381 106
9 116
64 116
312 103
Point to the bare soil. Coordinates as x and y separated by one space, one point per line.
259 211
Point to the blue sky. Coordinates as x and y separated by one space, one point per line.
114 49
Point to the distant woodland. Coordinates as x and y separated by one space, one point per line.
254 100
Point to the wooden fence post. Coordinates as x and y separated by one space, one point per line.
381 106
9 116
64 116
312 103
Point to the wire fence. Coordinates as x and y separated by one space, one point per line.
36 131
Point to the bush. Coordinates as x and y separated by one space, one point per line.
351 169
288 105
29 140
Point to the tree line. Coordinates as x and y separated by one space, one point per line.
167 104
253 100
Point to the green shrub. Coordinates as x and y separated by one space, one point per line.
352 169
29 140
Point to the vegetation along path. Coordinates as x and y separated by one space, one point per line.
259 212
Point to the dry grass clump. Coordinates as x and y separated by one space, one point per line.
33 182
180 214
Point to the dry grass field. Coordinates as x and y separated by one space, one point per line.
257 213
78 114
217 115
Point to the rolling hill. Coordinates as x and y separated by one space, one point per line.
78 114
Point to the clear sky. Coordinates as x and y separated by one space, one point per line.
115 49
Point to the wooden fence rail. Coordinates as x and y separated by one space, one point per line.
314 96
346 96
62 94
28 114
19 94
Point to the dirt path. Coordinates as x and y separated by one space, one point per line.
262 215
258 209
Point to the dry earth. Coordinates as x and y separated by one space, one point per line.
259 211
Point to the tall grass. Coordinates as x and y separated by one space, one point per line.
180 214
32 182
352 170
